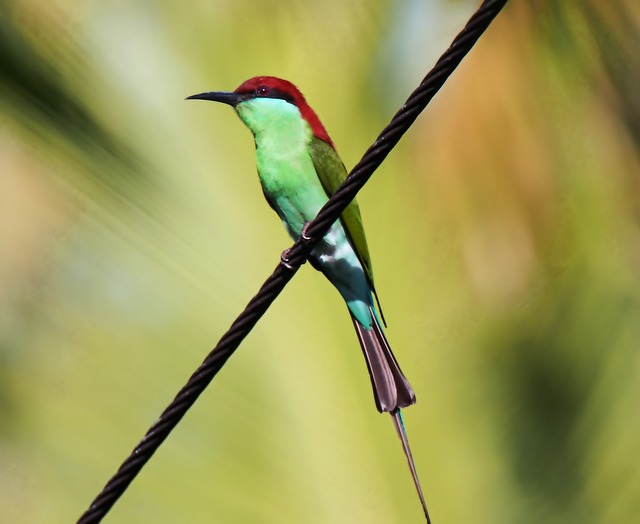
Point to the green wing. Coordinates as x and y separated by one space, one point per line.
332 173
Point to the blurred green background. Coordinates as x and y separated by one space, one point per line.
504 231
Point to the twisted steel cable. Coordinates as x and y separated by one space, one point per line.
289 264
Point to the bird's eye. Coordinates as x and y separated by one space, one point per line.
262 91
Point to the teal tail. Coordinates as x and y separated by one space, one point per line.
391 388
398 422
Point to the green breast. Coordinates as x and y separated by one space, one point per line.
299 172
285 167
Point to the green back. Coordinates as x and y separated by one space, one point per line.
332 173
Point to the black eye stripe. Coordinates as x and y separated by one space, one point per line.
272 92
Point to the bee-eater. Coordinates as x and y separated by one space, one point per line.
299 169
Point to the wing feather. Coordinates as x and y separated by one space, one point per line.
332 173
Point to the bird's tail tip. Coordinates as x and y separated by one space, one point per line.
398 422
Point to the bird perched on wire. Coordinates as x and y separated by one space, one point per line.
299 170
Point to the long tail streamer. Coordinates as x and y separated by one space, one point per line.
398 422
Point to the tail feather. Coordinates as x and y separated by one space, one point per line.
406 396
402 433
391 389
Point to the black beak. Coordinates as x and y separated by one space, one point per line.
232 99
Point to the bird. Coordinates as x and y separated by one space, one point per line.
299 169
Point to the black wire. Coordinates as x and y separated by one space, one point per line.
296 256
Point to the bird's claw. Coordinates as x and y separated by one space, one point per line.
303 233
284 259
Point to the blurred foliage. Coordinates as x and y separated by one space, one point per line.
504 231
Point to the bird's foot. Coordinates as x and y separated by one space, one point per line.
303 233
285 259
